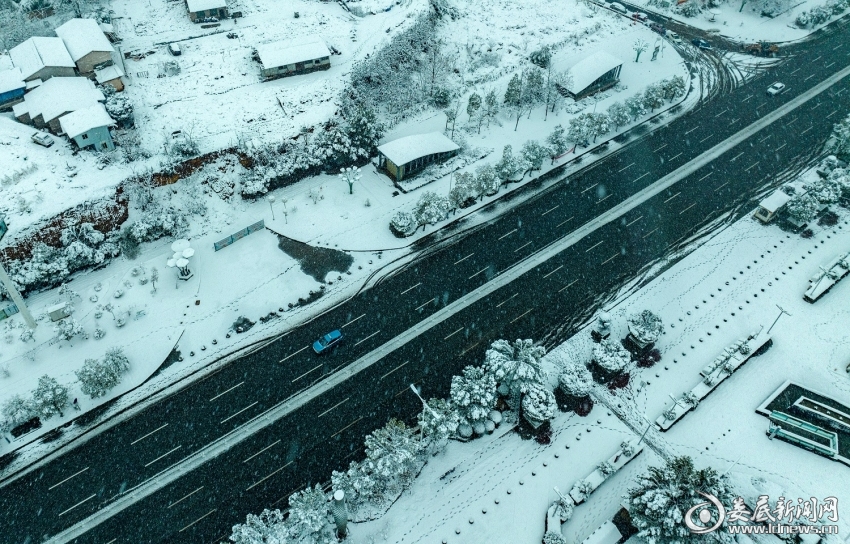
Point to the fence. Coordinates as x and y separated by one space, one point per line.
259 225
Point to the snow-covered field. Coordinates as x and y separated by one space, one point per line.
727 285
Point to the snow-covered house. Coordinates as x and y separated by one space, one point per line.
592 74
89 127
202 9
290 57
86 43
406 156
12 87
771 205
42 58
45 105
111 75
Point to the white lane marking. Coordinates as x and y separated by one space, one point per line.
150 433
499 305
805 131
810 77
368 337
564 221
765 138
567 285
393 370
522 246
722 186
424 303
255 484
199 519
586 189
721 113
633 221
816 106
744 100
293 354
76 505
781 146
225 392
507 234
187 496
733 159
593 246
659 149
794 72
641 176
356 318
275 413
361 417
411 288
830 64
555 208
334 406
480 271
831 114
794 120
273 444
705 176
453 333
629 166
68 478
166 454
228 418
733 121
517 318
552 272
696 127
650 232
604 197
309 371
611 258
672 197
465 258
706 138
750 167
688 208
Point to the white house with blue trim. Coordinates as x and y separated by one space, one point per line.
89 127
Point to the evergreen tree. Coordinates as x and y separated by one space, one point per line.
49 397
619 115
392 451
473 394
491 106
825 191
534 154
438 421
653 97
509 166
515 367
431 208
635 105
663 495
538 404
558 142
267 528
472 109
575 380
486 181
611 355
309 511
802 208
582 128
674 87
116 361
514 96
839 142
534 91
462 189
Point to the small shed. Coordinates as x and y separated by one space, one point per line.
769 207
593 74
203 9
404 157
291 57
58 311
89 127
86 43
12 88
42 58
111 75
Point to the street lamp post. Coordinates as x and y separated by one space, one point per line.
271 199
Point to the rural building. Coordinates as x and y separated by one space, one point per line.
86 43
201 9
56 97
89 127
292 57
592 74
111 75
12 88
406 156
42 58
769 207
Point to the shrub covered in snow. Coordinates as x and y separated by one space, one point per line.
802 209
431 208
487 181
575 380
551 537
438 421
645 327
826 191
533 153
309 514
67 328
538 405
611 355
557 141
267 528
605 468
510 167
515 367
403 224
839 142
15 411
473 394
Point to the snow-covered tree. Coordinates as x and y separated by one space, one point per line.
118 106
67 328
473 110
534 154
558 82
538 404
580 128
551 537
514 99
841 177
473 394
515 367
403 224
674 87
49 397
839 142
360 487
575 380
534 92
826 191
635 106
653 96
431 208
463 188
154 278
802 208
116 360
611 355
267 528
557 141
601 124
661 497
392 451
16 410
309 517
487 182
605 468
438 421
646 327
619 114
97 377
491 106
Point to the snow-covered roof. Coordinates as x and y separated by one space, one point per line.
107 28
5 62
59 95
82 36
775 201
409 148
203 5
80 121
109 73
11 80
591 68
275 54
36 53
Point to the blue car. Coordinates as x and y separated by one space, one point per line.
327 342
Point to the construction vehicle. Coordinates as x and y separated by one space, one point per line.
762 49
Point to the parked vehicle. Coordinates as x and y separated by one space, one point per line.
174 49
327 342
42 138
775 89
702 44
640 17
658 27
616 6
762 49
674 37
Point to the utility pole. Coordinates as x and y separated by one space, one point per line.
781 311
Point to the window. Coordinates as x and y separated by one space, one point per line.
84 137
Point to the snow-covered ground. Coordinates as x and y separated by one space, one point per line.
726 286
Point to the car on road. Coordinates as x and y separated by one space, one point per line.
42 138
775 89
657 27
327 342
616 6
674 37
174 49
702 44
640 17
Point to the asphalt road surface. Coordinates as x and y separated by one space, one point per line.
547 302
